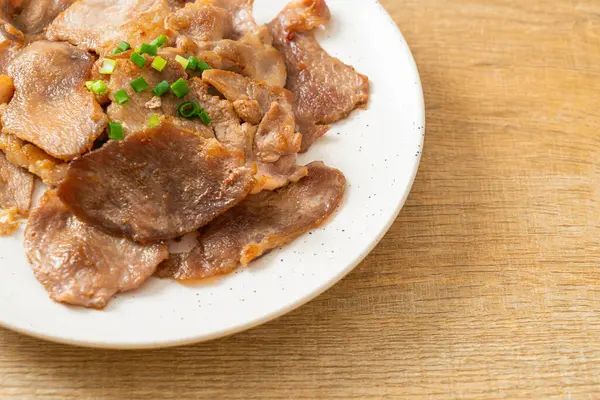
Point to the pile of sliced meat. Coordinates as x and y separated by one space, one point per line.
151 119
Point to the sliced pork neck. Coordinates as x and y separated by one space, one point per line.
11 41
79 264
135 114
325 89
51 107
201 23
16 187
156 185
33 16
261 223
100 25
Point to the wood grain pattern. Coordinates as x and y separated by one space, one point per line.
487 286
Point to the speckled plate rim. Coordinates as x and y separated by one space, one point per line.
418 118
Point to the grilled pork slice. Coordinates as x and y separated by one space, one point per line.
201 23
16 187
261 223
100 25
11 41
33 159
249 56
79 264
325 89
33 16
51 107
156 185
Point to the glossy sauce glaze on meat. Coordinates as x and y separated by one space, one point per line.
151 119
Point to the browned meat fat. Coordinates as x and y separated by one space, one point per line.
51 107
155 185
325 89
7 89
16 187
79 264
31 158
261 223
100 25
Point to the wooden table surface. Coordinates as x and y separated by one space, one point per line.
487 286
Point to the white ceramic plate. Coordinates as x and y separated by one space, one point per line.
378 150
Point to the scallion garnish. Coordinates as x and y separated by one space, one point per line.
159 63
193 63
154 121
121 47
180 88
183 61
161 88
115 131
89 84
121 96
204 117
203 66
160 41
139 84
108 66
99 87
149 49
138 60
189 109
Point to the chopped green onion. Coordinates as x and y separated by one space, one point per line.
159 63
160 41
161 88
189 110
193 62
115 131
137 50
149 49
121 47
183 61
206 120
154 121
139 84
89 84
203 66
138 60
180 88
99 87
121 96
108 66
